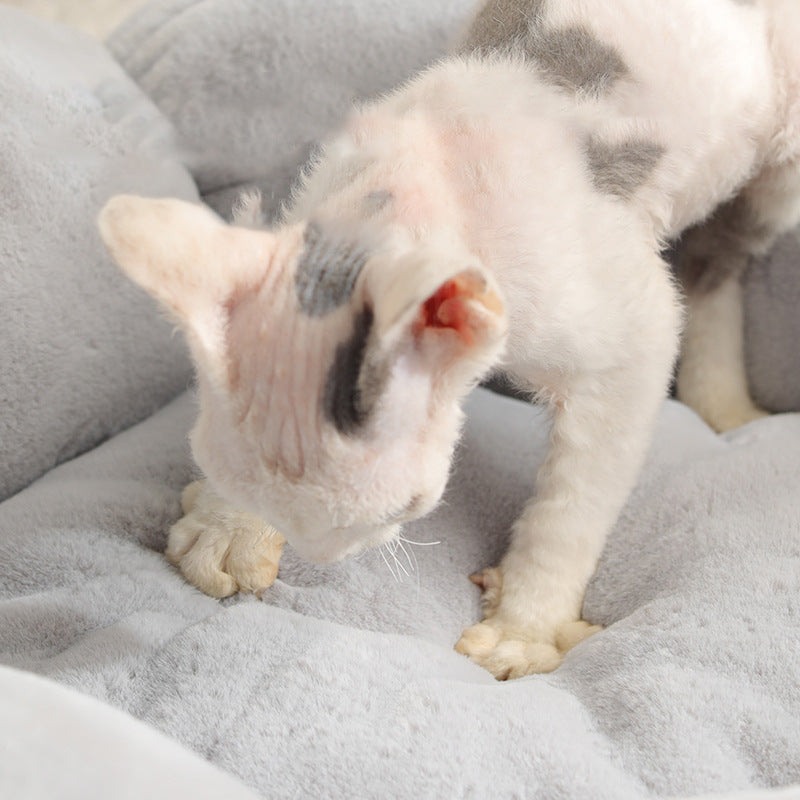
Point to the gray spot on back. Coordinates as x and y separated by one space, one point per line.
620 169
575 60
502 25
572 58
355 381
327 271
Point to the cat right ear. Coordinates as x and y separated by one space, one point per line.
450 313
190 260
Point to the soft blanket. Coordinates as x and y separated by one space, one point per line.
342 680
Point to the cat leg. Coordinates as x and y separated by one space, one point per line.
533 600
602 422
221 550
711 258
712 378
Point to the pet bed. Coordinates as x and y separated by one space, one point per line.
341 681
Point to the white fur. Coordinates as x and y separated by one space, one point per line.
559 283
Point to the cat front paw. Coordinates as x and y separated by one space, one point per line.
511 654
222 551
512 648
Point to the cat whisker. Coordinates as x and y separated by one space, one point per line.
386 561
413 567
392 546
420 544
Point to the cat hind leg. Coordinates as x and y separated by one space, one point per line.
711 259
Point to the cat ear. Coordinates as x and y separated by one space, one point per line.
450 312
187 258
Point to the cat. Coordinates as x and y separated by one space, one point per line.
506 208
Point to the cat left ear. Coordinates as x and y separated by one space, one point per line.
190 260
181 253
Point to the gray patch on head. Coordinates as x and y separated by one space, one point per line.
620 169
327 271
572 58
376 201
356 379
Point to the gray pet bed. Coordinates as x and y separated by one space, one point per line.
342 681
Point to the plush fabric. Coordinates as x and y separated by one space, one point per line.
284 72
343 681
57 743
772 322
84 353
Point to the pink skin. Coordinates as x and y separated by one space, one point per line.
262 437
296 470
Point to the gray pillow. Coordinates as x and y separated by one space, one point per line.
772 324
84 353
252 84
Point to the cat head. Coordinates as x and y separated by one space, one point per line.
331 362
